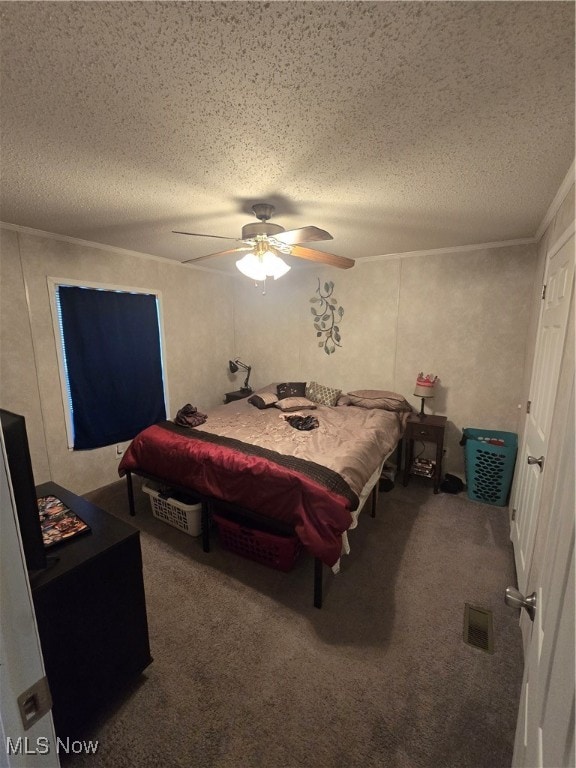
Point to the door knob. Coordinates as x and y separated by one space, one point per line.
534 460
516 599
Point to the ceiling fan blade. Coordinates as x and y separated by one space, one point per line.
322 257
303 235
198 234
220 253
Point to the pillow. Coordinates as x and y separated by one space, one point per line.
267 388
376 398
263 400
291 389
318 393
344 400
294 404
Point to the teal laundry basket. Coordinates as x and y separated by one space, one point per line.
489 457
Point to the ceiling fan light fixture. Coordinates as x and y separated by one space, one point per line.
252 266
269 242
260 265
275 266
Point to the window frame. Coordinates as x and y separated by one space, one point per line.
53 284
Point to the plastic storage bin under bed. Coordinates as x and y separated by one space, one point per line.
186 517
279 552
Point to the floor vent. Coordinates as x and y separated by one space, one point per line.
478 630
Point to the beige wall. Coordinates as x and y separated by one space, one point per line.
198 320
463 316
275 331
18 379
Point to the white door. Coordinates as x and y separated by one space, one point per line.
549 346
545 730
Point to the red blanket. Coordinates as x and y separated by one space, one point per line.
318 510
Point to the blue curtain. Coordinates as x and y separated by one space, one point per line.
114 363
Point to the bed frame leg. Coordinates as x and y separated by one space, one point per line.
130 494
206 516
317 582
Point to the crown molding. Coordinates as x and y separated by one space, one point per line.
362 260
101 247
450 249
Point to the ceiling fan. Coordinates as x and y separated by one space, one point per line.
265 243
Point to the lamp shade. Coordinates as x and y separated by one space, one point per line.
421 390
424 386
275 266
235 365
251 266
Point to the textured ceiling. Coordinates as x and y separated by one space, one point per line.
397 126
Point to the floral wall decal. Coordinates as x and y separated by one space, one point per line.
327 317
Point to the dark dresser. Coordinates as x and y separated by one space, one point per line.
91 613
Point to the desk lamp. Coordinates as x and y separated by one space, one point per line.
234 365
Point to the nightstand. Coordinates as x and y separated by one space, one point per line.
429 429
240 394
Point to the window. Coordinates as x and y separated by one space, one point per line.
111 362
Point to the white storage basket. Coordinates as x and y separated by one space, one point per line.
185 517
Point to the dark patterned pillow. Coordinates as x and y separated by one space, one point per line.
295 404
291 389
321 394
263 400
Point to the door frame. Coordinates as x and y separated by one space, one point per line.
520 471
21 661
548 689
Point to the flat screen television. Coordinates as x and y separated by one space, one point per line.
22 476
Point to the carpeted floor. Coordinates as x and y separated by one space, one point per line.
248 674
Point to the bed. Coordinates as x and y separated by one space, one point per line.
249 454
